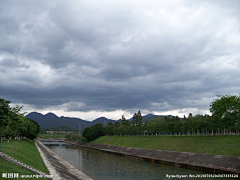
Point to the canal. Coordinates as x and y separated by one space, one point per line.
106 166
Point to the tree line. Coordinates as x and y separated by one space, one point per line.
14 124
225 119
62 129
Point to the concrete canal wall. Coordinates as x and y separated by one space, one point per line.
209 163
57 166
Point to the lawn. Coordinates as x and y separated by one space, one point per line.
24 151
10 168
219 145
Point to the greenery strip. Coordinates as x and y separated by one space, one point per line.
21 164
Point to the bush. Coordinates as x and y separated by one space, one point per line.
92 132
72 136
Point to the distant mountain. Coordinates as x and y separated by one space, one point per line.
103 121
150 117
51 120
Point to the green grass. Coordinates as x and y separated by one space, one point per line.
219 145
24 151
8 167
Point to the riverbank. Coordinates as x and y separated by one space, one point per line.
224 166
24 151
218 145
59 168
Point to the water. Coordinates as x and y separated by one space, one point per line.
106 166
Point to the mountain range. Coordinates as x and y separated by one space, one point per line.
51 120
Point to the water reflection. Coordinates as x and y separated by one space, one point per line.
105 166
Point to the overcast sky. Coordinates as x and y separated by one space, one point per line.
92 58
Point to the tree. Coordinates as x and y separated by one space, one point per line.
110 124
226 110
189 124
137 118
201 123
5 111
179 127
33 129
157 119
124 121
17 120
13 123
117 124
93 132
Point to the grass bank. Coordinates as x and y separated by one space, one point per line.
219 145
24 151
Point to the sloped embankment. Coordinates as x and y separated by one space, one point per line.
209 163
61 168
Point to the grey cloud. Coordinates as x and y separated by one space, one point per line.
10 25
13 63
80 56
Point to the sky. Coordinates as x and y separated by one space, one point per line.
94 58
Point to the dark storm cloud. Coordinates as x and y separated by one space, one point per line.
106 56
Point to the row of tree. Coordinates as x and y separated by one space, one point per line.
59 129
199 124
225 119
15 124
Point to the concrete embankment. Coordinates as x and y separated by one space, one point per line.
58 167
217 164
